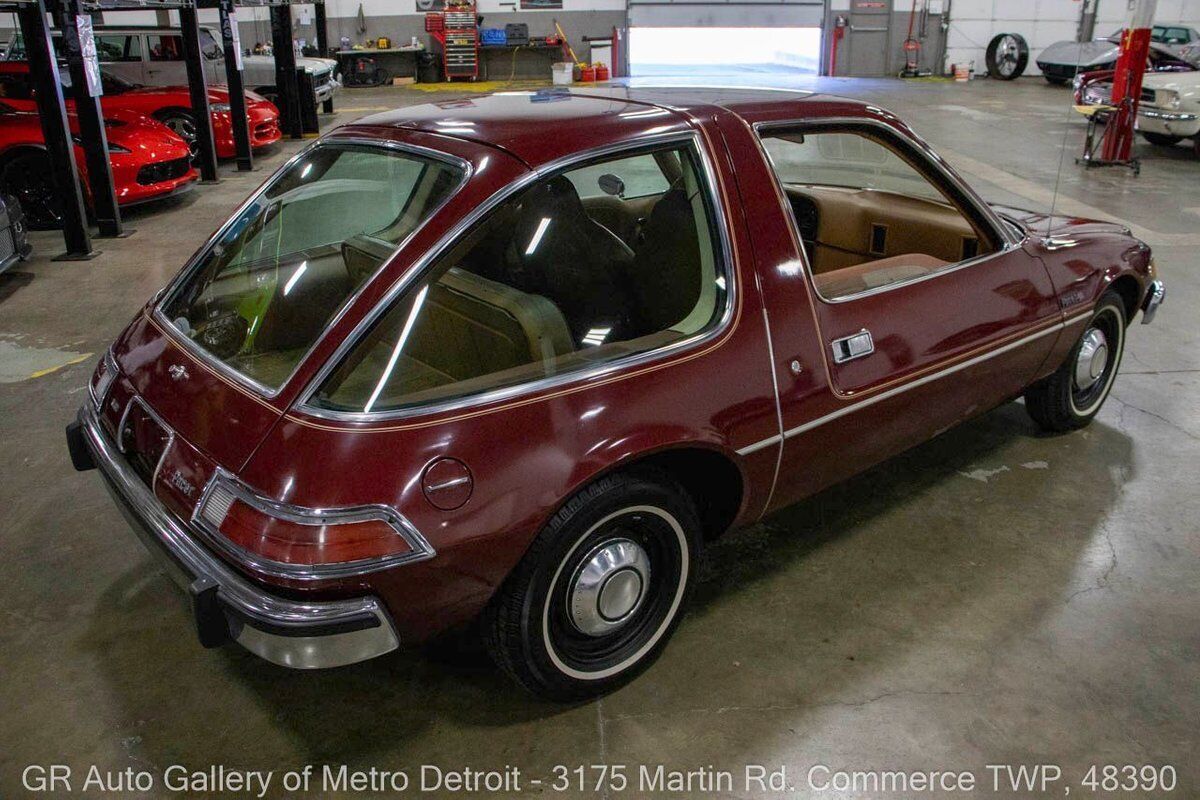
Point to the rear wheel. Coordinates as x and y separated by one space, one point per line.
1073 395
183 124
27 178
600 590
1161 139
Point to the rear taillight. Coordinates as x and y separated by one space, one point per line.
307 543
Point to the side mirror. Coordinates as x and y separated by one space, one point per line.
611 184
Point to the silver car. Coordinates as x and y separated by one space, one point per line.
1172 48
153 56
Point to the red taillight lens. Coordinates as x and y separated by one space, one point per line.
289 542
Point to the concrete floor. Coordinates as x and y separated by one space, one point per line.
993 597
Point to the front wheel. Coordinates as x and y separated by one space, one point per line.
600 590
1073 395
183 125
1161 139
27 178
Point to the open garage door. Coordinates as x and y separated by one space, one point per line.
739 38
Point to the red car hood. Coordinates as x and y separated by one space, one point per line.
1059 224
216 93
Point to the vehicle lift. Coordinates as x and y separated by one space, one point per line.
1116 145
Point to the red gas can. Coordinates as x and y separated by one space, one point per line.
587 74
602 72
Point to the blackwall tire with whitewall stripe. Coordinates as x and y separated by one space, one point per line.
1071 397
601 589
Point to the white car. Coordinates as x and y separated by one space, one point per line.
1170 108
153 56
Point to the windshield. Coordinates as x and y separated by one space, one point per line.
262 294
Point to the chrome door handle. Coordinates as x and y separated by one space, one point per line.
851 347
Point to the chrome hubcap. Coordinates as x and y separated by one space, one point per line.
609 587
1092 359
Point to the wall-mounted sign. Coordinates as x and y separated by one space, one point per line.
91 63
231 34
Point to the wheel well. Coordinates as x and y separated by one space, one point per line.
1129 290
163 112
20 150
711 479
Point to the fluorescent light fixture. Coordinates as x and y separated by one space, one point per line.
408 326
287 287
537 236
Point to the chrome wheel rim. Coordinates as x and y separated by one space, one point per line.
640 555
1097 358
185 128
1092 359
609 587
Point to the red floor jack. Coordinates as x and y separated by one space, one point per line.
1116 146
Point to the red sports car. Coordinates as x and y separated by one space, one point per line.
444 368
170 105
149 162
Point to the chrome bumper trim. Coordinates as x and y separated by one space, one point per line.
301 635
1167 116
1154 299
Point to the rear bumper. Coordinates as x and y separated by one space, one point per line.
1154 299
227 607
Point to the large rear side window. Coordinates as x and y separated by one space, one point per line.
263 293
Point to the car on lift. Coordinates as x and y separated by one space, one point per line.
443 369
153 56
1062 61
170 105
149 162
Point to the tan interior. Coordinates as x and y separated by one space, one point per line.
469 326
861 239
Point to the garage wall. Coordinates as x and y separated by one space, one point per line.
1042 22
400 20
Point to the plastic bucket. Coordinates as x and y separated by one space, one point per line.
563 73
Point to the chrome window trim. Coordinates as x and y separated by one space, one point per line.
920 149
851 407
192 264
421 549
418 270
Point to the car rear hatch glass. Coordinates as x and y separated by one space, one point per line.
259 298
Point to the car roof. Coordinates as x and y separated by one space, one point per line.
583 119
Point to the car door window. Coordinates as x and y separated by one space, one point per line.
210 48
867 216
541 289
637 176
118 47
165 47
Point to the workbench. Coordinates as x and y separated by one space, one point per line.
400 62
533 60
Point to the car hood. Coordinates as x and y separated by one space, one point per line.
1182 82
308 64
1081 54
1044 224
216 94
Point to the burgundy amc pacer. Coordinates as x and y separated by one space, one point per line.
511 361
